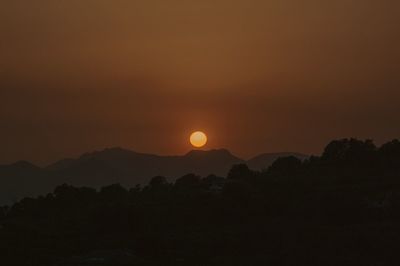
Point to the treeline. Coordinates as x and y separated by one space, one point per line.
341 208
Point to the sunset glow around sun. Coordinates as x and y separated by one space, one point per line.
198 139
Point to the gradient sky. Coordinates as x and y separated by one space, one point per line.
255 75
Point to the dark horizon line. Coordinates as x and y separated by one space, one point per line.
43 166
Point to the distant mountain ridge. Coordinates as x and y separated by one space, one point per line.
118 165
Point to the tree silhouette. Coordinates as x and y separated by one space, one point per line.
285 166
188 181
158 181
334 207
240 171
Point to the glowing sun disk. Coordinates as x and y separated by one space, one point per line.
198 139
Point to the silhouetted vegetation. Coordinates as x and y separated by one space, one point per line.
342 208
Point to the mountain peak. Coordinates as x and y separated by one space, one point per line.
107 151
24 165
221 152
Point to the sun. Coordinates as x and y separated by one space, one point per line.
198 139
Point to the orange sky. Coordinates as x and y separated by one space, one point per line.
257 76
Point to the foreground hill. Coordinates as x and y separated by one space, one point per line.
117 165
341 208
264 160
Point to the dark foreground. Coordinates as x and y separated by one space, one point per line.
342 208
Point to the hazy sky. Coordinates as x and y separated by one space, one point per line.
256 75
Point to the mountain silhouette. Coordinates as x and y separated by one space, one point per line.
118 165
22 179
